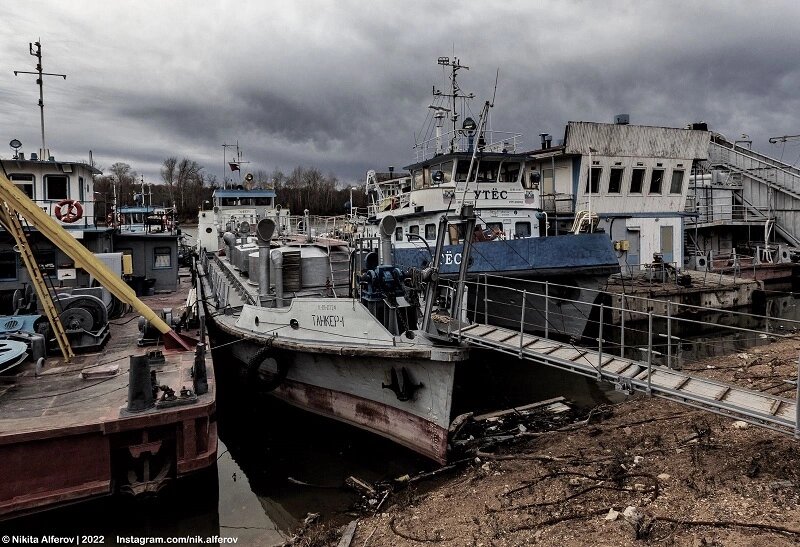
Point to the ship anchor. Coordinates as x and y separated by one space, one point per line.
406 391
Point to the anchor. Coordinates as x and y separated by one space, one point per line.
404 392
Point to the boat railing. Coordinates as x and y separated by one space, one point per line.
636 347
620 324
495 141
757 166
93 212
706 211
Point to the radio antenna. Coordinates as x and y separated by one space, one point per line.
40 82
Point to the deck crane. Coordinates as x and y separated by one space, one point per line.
14 202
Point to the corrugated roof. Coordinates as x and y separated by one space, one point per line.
636 140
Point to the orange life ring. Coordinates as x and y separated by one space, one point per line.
73 212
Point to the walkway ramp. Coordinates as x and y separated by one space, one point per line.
757 408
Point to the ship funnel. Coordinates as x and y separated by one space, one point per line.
386 229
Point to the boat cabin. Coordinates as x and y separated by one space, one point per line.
637 186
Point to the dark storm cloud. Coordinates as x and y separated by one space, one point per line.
345 86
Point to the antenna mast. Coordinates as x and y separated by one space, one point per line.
454 94
40 82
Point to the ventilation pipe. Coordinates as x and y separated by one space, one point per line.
386 229
277 261
230 240
264 230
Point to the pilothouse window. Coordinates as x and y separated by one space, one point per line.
487 171
24 183
509 171
56 186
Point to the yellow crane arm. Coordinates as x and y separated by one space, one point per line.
11 223
16 200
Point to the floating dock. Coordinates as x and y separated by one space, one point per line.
66 433
652 293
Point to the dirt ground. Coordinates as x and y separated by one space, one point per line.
645 471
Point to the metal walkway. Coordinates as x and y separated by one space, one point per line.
757 408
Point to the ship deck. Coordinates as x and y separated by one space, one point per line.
59 428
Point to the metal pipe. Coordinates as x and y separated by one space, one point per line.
547 309
649 351
669 334
277 261
433 275
600 343
386 230
797 404
622 328
468 216
263 272
522 322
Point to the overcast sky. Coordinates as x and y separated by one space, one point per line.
344 85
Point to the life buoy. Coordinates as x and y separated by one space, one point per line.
74 210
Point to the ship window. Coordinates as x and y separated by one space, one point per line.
81 190
418 179
8 266
414 229
227 201
676 186
656 178
637 178
447 169
487 171
615 181
430 231
596 173
24 183
56 187
509 171
398 233
261 201
522 229
162 258
462 169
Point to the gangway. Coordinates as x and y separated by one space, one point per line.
629 375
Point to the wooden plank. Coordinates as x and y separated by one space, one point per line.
567 353
615 366
480 331
776 404
703 389
751 400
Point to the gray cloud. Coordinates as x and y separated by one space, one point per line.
344 86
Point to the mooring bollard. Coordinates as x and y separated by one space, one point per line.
140 387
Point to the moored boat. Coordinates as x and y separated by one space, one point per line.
486 169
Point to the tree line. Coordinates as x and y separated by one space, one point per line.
186 186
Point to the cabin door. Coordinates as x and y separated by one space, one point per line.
667 251
632 259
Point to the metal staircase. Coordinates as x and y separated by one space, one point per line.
762 409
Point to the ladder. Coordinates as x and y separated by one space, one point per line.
11 222
339 262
